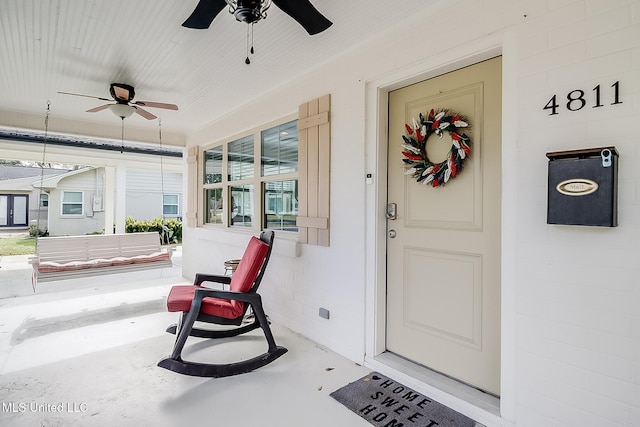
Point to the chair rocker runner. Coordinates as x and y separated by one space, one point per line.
197 303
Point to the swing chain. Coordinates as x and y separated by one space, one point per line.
39 232
165 229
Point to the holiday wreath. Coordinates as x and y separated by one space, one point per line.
414 148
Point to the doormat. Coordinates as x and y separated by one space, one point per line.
386 403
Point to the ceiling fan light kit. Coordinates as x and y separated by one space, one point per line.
122 110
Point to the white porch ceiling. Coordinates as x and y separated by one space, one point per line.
82 46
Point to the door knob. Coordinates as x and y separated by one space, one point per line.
392 234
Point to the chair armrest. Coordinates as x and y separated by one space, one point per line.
251 298
216 278
34 260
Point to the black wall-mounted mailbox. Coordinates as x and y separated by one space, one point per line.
583 187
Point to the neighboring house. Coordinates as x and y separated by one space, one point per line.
78 200
74 202
146 198
21 203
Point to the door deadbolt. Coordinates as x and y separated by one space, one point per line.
392 210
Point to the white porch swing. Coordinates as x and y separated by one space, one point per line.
67 257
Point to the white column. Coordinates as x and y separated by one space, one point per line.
121 197
109 198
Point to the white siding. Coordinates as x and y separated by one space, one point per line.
145 189
90 221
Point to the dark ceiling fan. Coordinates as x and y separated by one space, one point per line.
252 11
124 106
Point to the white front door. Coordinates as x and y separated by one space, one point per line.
443 265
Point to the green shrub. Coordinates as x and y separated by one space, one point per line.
34 231
170 230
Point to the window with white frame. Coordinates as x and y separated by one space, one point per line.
44 200
72 203
252 181
170 204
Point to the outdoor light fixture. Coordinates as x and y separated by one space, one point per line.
122 110
249 11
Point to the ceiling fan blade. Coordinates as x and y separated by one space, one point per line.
306 15
100 108
157 105
86 96
144 113
204 14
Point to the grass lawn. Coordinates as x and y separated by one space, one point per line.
17 245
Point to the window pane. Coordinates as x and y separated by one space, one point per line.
44 200
170 210
240 159
280 149
71 209
213 165
19 209
281 205
170 199
72 196
4 210
213 206
170 204
242 205
72 202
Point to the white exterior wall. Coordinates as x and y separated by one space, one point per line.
89 221
144 193
577 288
143 199
571 324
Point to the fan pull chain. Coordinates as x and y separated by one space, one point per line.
161 167
122 137
250 49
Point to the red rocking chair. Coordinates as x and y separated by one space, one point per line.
197 303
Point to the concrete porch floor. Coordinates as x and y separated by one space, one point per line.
83 352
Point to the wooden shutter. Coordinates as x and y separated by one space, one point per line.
192 186
314 161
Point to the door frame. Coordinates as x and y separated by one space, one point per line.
483 408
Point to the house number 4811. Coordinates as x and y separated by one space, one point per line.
576 99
